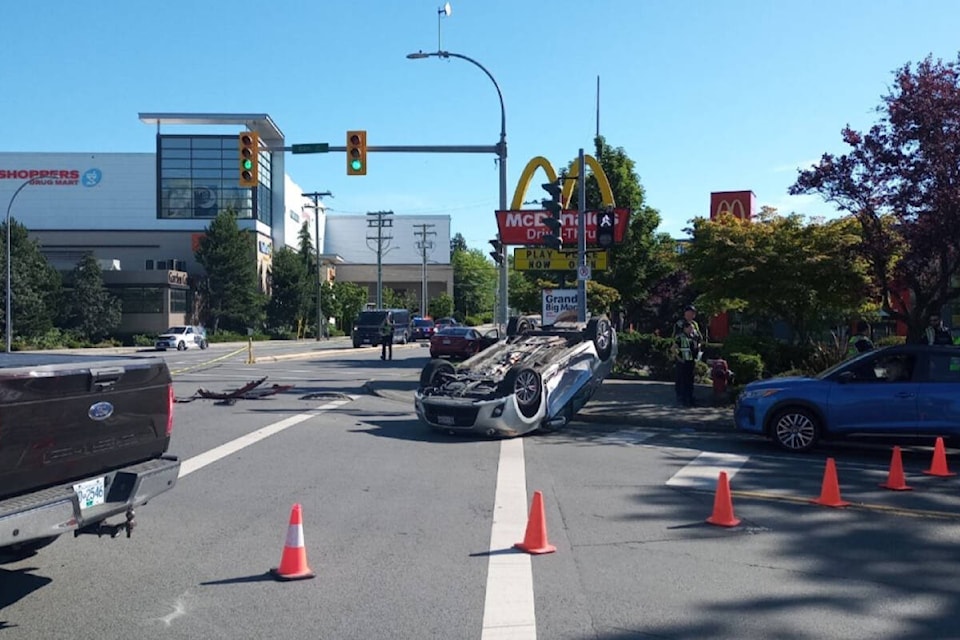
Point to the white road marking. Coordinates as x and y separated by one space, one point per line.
703 472
627 437
199 461
508 610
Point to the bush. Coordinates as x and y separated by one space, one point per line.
473 321
644 350
746 367
333 332
143 340
233 336
889 341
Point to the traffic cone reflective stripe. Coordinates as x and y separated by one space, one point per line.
895 479
535 538
830 491
723 504
939 465
293 561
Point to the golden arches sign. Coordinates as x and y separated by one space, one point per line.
538 162
731 207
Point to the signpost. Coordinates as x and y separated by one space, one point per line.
583 272
311 147
535 259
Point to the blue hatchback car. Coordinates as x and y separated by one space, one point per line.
902 390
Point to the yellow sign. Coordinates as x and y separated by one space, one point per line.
536 259
606 193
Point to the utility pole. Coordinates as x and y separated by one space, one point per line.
581 237
424 244
315 196
379 220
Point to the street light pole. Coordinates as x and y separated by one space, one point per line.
316 195
502 159
9 308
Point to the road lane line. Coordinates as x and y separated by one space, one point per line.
508 609
201 460
702 473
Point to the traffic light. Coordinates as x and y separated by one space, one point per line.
497 253
249 158
606 222
356 153
554 208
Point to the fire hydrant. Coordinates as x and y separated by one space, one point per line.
722 376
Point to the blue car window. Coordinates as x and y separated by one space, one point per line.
944 368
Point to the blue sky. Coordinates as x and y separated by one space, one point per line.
703 95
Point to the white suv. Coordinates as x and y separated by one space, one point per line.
182 337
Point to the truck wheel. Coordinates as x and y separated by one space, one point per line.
17 552
526 385
433 369
600 331
181 346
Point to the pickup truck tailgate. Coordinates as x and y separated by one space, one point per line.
65 417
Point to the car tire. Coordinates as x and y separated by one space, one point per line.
795 429
181 346
434 368
204 344
356 345
600 331
517 326
526 385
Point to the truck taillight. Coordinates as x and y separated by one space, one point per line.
170 403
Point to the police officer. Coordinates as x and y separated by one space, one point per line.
937 333
689 313
688 349
860 342
386 336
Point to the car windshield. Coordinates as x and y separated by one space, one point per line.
371 317
844 363
176 330
423 323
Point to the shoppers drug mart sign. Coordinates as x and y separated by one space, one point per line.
54 177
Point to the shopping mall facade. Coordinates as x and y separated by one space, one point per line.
142 216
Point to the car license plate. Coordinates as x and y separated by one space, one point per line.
446 342
448 420
91 493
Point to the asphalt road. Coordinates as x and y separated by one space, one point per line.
409 531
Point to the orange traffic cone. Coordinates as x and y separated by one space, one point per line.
723 504
535 539
293 562
895 479
939 465
830 491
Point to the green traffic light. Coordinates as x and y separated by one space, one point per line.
248 164
356 165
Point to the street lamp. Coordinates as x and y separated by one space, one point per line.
9 308
501 155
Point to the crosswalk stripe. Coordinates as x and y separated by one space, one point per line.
703 471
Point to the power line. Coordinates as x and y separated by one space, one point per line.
424 244
379 220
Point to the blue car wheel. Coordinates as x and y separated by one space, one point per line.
795 429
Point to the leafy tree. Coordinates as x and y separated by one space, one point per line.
474 282
899 182
601 298
665 302
458 243
230 285
441 306
36 284
350 299
288 308
778 267
90 309
393 299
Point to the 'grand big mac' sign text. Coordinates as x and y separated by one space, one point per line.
518 226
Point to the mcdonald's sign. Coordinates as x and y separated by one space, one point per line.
739 204
525 226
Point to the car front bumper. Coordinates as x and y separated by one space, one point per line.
499 417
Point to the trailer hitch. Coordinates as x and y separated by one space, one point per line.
112 530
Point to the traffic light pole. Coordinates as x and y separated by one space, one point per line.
581 237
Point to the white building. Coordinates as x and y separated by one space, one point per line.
147 212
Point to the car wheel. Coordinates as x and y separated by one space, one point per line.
356 345
181 346
433 369
795 429
600 331
526 385
204 344
517 326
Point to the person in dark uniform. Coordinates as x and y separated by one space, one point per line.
688 350
689 315
860 341
937 333
386 337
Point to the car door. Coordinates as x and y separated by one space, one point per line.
878 396
490 338
939 393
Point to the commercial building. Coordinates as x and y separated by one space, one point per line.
143 214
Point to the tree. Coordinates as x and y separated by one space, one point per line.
441 306
899 182
395 300
289 305
457 243
350 298
230 285
474 282
90 309
601 298
778 267
36 284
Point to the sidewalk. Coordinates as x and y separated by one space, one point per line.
644 403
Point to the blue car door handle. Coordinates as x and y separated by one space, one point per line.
904 394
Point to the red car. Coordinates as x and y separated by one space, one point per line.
461 342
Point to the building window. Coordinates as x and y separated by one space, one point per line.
178 300
148 265
197 177
141 299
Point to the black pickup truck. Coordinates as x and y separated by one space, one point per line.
82 439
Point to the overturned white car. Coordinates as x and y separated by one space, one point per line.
535 378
